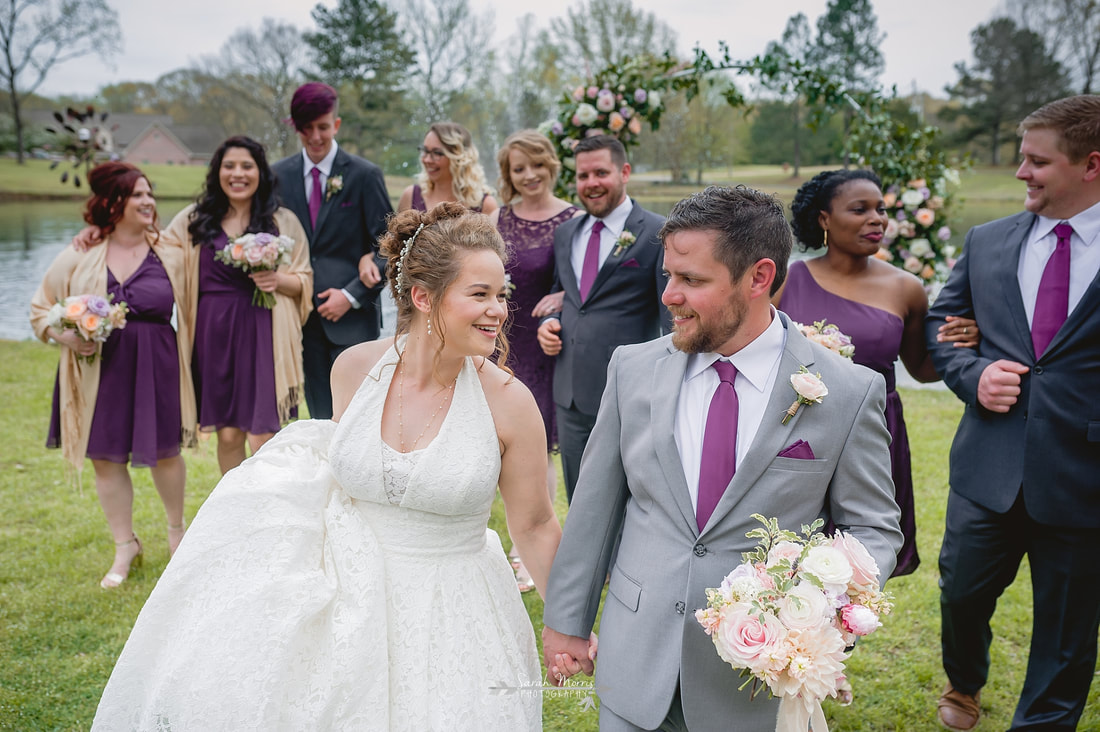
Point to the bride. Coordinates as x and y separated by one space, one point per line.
344 577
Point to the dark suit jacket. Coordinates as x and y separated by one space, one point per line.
348 226
623 306
1049 441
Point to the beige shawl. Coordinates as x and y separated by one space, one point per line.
77 273
288 315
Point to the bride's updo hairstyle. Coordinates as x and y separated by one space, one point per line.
427 249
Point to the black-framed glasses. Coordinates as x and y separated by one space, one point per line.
434 154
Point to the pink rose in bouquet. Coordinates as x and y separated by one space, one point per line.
91 317
257 253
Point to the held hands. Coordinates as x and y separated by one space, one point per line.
548 337
567 655
265 281
548 305
71 340
334 305
87 238
369 274
999 385
963 332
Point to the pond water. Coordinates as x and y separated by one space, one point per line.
33 232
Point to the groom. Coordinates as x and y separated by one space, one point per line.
688 444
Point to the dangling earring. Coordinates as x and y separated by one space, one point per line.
429 325
826 243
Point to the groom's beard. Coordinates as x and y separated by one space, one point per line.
708 337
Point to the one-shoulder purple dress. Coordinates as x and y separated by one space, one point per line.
234 359
420 204
876 334
137 409
532 274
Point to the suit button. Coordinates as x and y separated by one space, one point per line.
1037 370
680 607
581 311
700 550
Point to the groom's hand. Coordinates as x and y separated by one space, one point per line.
566 655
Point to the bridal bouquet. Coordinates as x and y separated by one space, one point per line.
257 253
828 335
93 317
790 614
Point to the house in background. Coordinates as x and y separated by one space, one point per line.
150 139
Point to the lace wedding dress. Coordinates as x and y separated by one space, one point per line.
331 582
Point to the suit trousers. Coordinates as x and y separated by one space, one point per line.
318 355
574 427
979 559
674 721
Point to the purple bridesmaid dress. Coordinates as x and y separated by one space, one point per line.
233 363
532 274
876 335
137 410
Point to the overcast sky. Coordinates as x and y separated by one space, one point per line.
923 40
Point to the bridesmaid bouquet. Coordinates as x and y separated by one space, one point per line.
828 335
791 613
93 317
257 253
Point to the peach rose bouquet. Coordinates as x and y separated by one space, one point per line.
93 317
258 253
791 613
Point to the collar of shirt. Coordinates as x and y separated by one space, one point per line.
325 165
614 222
1086 225
755 362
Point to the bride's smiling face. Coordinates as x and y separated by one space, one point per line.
474 308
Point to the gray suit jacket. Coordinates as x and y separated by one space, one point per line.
623 306
631 477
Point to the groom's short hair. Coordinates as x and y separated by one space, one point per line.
750 226
603 142
1076 121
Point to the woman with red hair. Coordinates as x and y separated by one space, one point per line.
133 404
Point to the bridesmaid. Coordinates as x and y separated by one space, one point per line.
879 306
449 171
528 170
134 403
247 359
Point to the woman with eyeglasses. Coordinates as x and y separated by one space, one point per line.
449 171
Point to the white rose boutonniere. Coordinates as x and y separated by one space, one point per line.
625 240
810 389
335 185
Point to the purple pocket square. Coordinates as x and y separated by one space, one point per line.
799 451
345 204
630 263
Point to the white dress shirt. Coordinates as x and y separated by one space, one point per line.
613 224
1084 256
757 365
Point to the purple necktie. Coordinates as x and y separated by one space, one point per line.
1052 302
719 460
591 266
315 196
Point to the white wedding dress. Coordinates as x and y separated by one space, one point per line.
331 582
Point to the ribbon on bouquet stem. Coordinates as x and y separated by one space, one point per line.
798 714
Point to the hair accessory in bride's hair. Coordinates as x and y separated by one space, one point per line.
399 280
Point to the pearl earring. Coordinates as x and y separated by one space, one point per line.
429 325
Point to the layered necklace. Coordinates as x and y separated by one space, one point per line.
447 392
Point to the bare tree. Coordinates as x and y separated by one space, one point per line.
37 35
598 33
1071 29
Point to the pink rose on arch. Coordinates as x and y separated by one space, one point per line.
907 229
891 232
859 620
576 120
605 102
864 567
593 91
925 216
578 94
635 125
748 639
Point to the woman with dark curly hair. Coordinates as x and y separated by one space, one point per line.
345 577
133 404
247 359
879 306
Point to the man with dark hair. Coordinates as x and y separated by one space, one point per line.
342 203
690 441
1026 457
608 266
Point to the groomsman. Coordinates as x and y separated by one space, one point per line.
342 202
608 267
1026 457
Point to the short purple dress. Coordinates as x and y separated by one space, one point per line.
420 204
876 334
137 409
532 274
233 363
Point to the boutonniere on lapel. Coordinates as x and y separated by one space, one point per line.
809 388
623 243
335 185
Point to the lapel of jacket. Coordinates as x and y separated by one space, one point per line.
635 224
563 253
1005 270
669 370
772 435
292 191
339 165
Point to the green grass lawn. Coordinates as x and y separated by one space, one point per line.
60 633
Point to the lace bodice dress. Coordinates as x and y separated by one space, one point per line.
332 582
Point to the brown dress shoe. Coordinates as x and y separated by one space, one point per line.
958 711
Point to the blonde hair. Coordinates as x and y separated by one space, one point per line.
467 176
535 146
